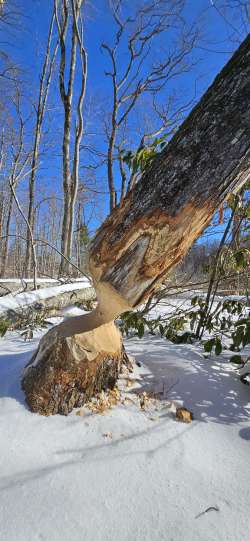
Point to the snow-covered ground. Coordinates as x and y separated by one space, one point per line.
20 282
129 474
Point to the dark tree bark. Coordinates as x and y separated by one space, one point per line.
138 244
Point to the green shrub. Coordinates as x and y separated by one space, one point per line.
4 325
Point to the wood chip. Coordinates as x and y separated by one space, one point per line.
108 435
80 413
184 415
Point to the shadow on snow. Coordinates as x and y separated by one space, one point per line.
209 387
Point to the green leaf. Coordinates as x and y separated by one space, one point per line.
208 345
161 329
240 259
140 329
237 359
238 336
218 346
4 325
186 338
246 338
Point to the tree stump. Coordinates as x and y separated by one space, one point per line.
66 372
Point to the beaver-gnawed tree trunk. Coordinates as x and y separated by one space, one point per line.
138 244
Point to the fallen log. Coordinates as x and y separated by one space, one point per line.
145 237
24 314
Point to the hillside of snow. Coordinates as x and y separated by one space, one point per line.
129 474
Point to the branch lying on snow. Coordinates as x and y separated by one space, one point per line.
212 508
5 289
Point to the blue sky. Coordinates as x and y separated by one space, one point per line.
219 39
215 41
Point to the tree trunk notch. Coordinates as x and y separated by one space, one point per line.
150 232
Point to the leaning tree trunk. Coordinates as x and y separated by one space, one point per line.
138 244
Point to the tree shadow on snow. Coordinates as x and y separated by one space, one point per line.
244 433
210 388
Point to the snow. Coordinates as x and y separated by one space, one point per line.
129 474
28 281
38 280
15 301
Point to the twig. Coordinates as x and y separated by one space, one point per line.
212 508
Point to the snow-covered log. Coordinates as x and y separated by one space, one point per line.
145 237
22 307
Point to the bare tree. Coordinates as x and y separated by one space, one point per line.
20 158
70 11
141 73
33 244
1 187
40 110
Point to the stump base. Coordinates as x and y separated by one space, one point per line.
66 372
